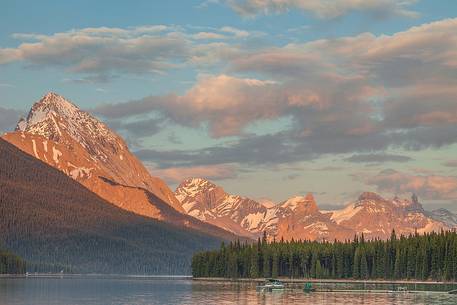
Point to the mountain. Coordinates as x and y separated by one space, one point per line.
300 218
57 132
51 220
72 140
445 216
208 202
375 216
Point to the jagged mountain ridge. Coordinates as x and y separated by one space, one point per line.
59 133
300 218
209 203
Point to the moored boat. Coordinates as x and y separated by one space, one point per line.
308 287
271 285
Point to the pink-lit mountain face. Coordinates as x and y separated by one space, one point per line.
300 218
58 133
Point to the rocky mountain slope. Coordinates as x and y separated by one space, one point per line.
375 216
59 133
210 203
445 216
56 223
300 218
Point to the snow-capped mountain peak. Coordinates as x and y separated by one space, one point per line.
266 202
208 202
301 204
192 186
54 117
56 131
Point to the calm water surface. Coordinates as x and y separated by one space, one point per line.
140 291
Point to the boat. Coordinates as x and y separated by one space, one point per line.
271 285
453 291
308 287
401 289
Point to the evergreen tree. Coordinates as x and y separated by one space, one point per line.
364 274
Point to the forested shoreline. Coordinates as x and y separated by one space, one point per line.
11 263
430 256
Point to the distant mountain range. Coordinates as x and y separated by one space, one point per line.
300 218
112 202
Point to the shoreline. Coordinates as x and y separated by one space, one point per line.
304 280
93 275
221 279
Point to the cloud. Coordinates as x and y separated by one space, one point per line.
381 157
104 53
291 177
227 103
324 9
399 88
138 128
234 31
254 150
208 35
450 163
362 94
9 119
426 186
175 175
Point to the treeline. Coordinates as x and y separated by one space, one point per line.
10 263
431 256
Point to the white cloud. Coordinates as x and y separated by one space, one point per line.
426 186
208 35
211 172
236 32
325 9
103 53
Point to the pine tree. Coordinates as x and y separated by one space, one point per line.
356 264
254 270
275 267
364 266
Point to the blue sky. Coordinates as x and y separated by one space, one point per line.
268 98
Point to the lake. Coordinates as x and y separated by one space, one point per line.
141 291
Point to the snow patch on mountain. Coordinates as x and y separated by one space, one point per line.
266 202
293 203
346 213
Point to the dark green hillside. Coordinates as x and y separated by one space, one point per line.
426 257
50 220
10 263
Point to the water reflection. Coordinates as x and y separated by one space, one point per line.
141 291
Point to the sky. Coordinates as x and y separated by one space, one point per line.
267 98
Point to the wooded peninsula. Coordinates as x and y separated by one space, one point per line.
431 256
10 263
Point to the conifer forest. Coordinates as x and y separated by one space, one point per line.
430 256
